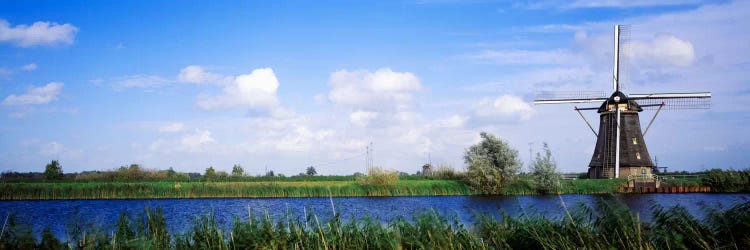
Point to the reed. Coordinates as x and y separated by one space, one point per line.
144 190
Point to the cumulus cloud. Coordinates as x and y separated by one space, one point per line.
198 74
29 67
504 108
382 89
255 90
37 34
35 95
454 121
195 142
172 127
664 49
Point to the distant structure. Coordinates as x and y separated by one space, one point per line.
621 150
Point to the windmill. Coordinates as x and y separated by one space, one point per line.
620 147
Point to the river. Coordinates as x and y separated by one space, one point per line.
180 213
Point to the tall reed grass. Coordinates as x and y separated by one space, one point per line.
607 225
141 190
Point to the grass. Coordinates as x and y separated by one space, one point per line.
579 186
607 225
142 190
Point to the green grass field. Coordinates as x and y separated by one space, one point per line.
144 190
272 189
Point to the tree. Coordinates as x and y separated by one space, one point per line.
544 173
210 173
53 171
311 171
269 173
237 171
491 163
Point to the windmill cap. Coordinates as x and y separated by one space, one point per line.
619 98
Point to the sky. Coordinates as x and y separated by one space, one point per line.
282 85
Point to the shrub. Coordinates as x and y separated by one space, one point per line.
544 173
53 171
492 163
447 173
377 176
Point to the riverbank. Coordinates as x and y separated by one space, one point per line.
286 189
276 189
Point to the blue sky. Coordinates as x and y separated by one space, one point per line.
284 85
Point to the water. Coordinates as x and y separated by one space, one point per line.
180 213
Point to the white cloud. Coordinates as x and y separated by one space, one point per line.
198 74
254 90
35 95
172 127
37 34
29 67
195 142
140 81
506 107
379 90
664 49
454 121
362 118
4 71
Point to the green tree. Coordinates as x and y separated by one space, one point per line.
270 173
53 171
491 163
210 173
311 171
237 171
544 173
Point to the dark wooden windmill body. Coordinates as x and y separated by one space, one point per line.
621 150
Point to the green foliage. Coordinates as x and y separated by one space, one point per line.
49 241
728 180
445 172
311 171
491 163
145 190
53 171
377 176
544 172
210 173
237 171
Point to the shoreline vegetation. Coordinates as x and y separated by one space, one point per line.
282 188
607 224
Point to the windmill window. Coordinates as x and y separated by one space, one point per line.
635 140
638 155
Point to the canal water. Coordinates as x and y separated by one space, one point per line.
180 213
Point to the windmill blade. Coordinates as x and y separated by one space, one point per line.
674 101
558 97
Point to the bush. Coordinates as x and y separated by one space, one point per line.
728 181
492 163
446 172
544 173
53 171
377 176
